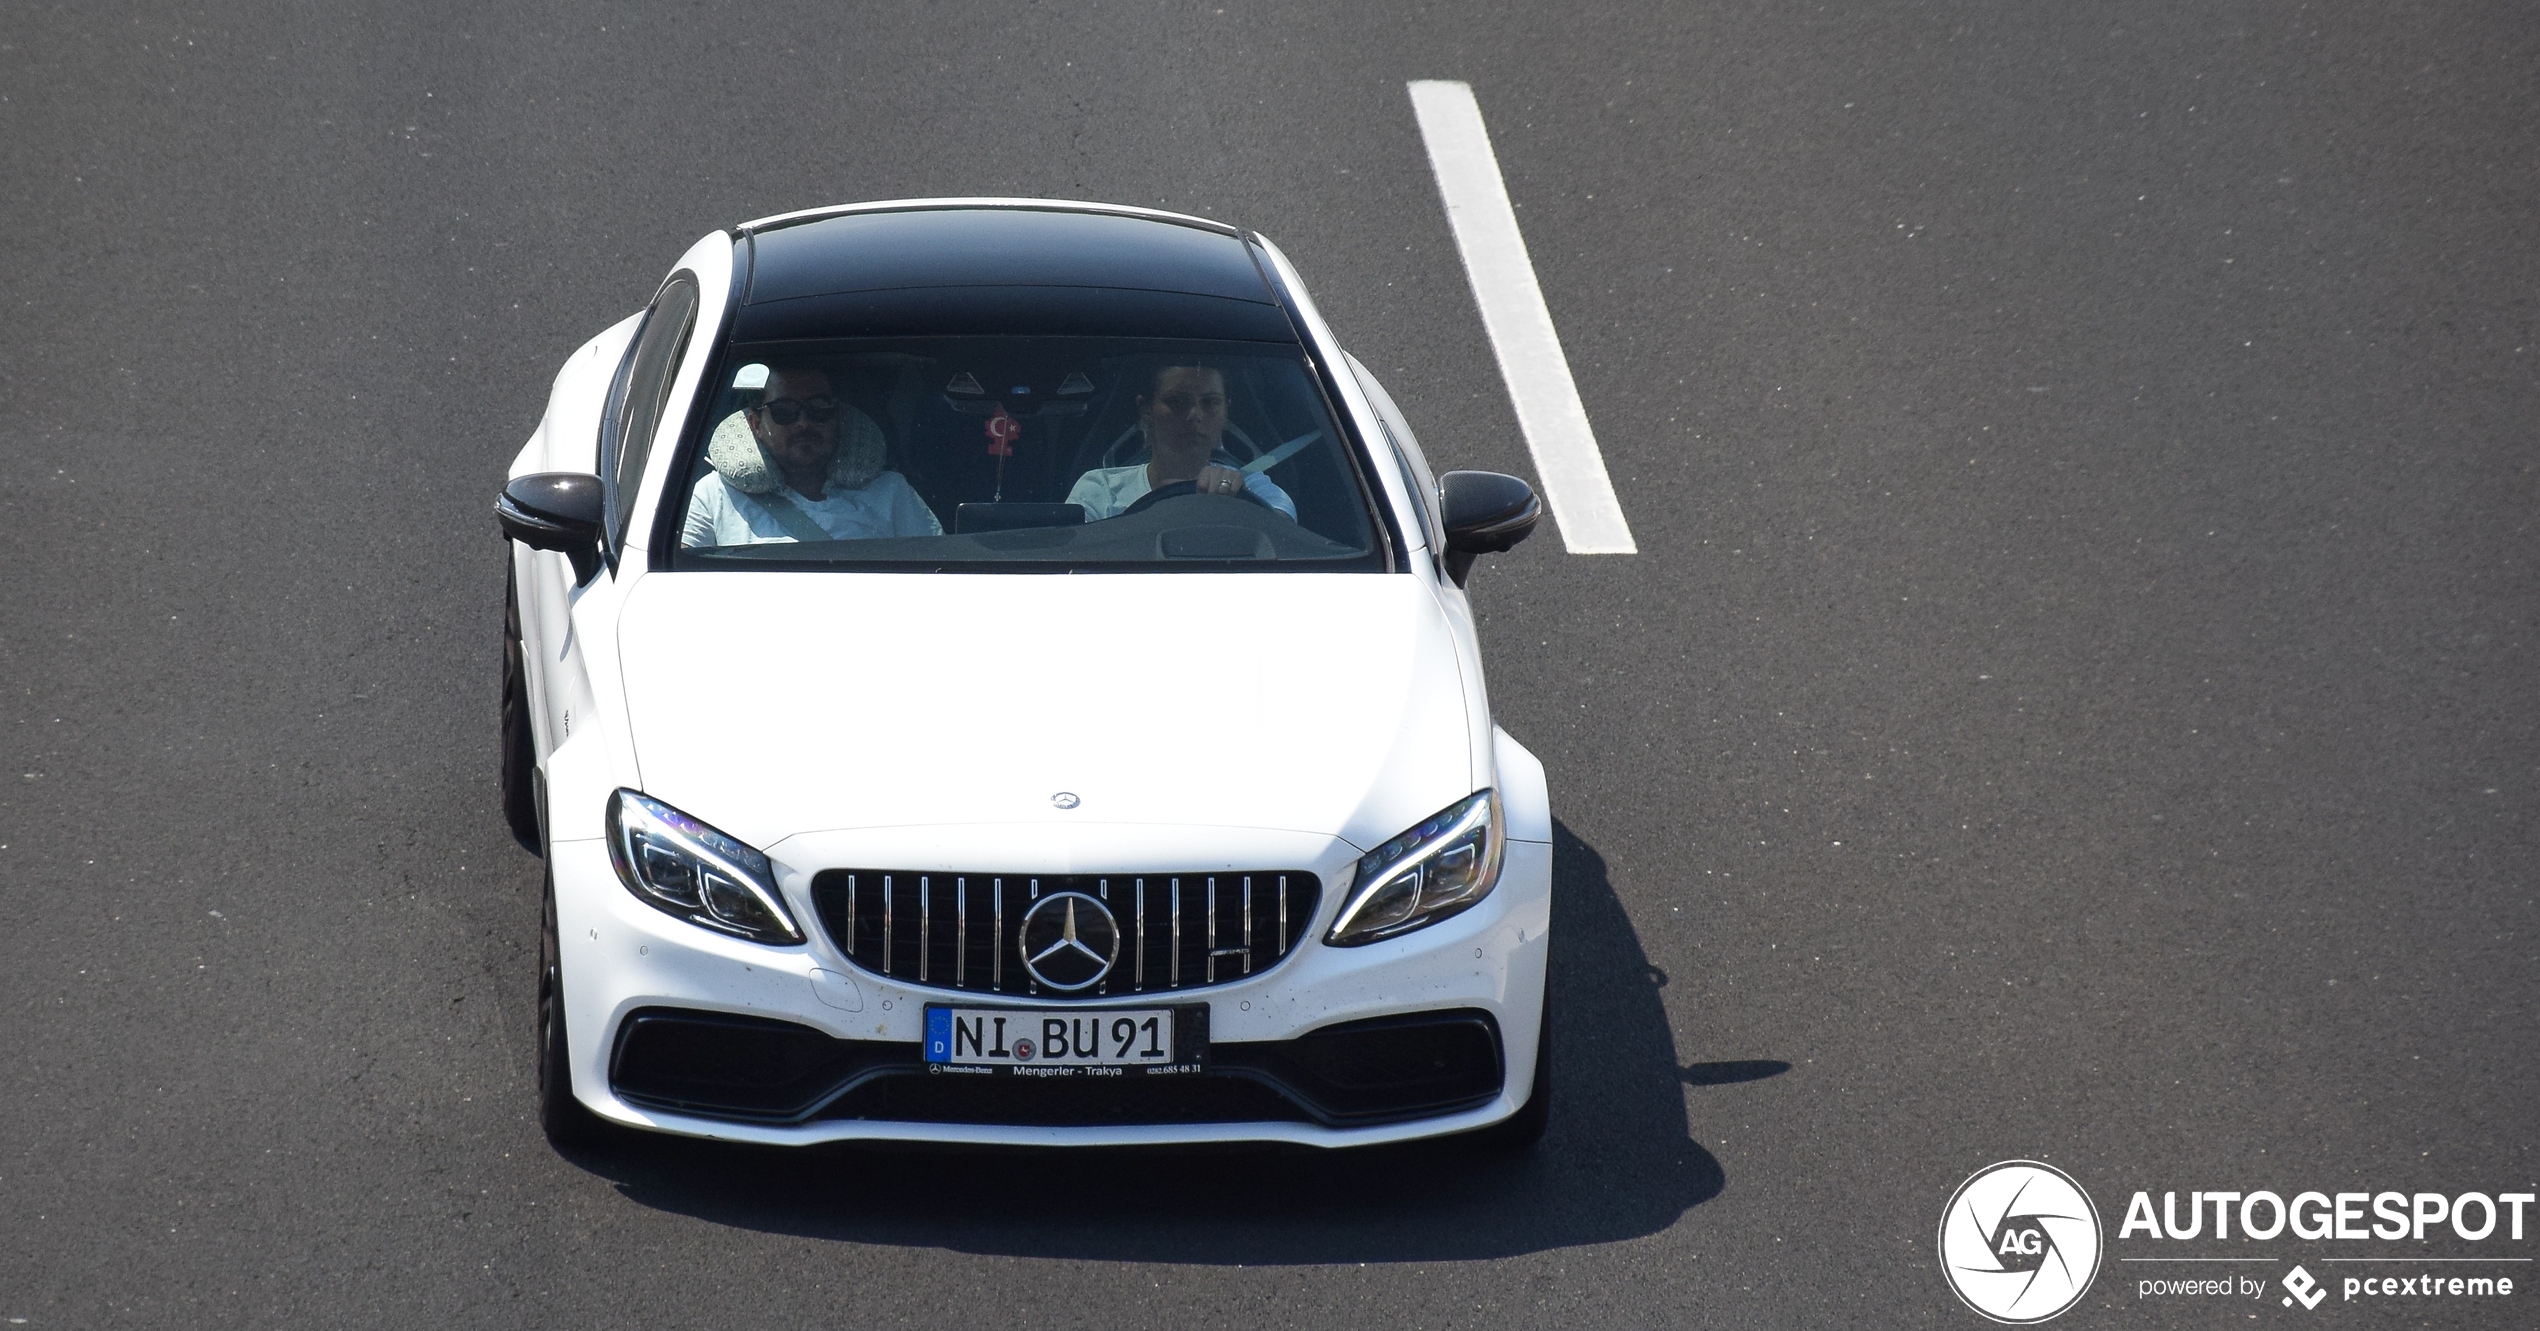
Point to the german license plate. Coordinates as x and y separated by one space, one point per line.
1042 1042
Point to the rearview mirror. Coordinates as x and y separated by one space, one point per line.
555 510
1485 513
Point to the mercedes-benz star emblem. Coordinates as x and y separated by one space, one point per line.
1069 941
1065 799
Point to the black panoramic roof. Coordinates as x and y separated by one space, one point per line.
950 271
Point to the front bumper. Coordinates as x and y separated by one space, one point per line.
621 959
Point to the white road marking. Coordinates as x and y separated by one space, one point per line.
1566 457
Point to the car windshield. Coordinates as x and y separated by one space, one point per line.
1047 452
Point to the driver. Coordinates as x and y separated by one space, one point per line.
1183 414
783 472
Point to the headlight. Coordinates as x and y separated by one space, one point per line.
1428 873
678 865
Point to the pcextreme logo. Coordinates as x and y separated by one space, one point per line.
2020 1242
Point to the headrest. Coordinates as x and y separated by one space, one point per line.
735 455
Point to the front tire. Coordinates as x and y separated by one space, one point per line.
520 751
567 1123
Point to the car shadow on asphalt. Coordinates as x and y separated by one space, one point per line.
1616 1163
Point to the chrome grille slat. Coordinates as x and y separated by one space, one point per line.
1102 888
1242 929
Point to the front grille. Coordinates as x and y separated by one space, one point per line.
963 931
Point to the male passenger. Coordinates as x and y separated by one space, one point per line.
1183 414
790 477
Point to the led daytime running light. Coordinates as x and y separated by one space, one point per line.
683 867
1433 870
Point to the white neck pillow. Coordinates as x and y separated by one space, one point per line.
735 455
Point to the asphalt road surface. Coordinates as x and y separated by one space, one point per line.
2074 698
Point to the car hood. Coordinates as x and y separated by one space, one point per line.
775 704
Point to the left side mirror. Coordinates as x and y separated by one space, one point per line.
555 510
1485 513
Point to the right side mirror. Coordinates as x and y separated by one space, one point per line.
1485 513
555 510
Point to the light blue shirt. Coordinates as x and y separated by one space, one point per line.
1107 492
887 505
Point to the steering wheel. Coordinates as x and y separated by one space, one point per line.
1178 489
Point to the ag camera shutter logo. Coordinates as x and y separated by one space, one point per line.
2020 1242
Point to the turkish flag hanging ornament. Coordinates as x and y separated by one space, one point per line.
1002 432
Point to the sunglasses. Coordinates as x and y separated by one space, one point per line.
787 411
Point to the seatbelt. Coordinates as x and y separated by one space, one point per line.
1280 454
790 516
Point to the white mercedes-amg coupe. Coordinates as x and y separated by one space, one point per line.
995 671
